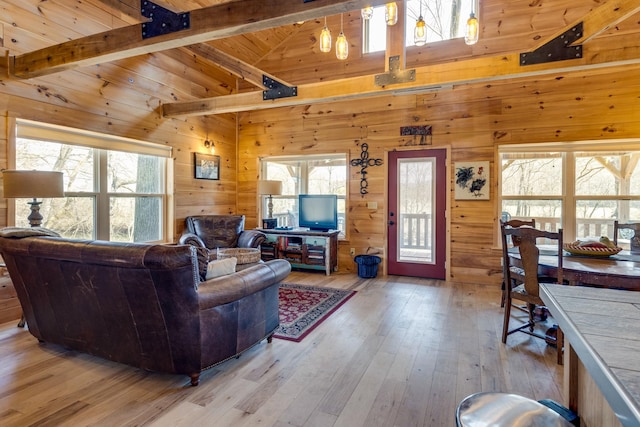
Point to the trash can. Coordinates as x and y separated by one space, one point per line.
367 265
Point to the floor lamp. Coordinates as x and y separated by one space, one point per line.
32 184
270 189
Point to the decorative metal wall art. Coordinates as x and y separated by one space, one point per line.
364 162
424 132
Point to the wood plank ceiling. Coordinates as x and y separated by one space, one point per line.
239 38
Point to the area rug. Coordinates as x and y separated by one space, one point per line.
303 308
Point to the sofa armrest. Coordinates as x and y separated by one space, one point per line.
226 289
251 239
192 239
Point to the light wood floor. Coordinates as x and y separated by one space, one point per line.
401 352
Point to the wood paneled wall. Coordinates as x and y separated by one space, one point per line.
123 98
472 120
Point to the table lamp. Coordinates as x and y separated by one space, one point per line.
32 184
269 188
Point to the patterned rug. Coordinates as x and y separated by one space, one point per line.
303 308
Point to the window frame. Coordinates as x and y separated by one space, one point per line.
411 16
568 197
302 186
101 144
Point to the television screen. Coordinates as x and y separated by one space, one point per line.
318 211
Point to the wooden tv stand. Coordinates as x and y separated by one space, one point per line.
317 250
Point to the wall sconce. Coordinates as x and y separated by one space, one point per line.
209 145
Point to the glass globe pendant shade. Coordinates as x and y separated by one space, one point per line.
367 12
420 32
471 33
391 13
342 47
325 40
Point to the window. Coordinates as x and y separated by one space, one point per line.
110 194
581 188
324 174
445 20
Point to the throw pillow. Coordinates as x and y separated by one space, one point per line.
221 267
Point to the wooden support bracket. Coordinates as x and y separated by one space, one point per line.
558 49
395 74
162 21
276 89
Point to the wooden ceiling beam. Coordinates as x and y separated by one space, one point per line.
433 76
233 65
428 78
209 23
127 7
599 20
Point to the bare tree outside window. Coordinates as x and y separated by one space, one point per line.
445 20
131 186
308 175
604 185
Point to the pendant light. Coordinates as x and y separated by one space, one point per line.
367 13
325 38
420 32
342 46
471 32
391 13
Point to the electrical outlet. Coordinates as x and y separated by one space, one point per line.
352 251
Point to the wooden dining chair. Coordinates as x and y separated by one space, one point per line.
516 275
634 239
528 291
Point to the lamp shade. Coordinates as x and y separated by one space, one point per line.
270 187
32 184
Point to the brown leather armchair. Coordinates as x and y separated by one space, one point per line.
219 231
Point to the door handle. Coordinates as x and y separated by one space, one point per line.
391 223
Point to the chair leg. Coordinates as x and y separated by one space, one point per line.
504 293
507 316
560 346
531 308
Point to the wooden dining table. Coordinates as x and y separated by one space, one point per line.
621 271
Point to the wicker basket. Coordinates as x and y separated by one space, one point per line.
243 255
589 251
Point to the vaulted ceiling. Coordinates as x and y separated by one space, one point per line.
235 43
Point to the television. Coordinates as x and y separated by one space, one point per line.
318 212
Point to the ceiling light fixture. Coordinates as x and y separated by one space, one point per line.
367 13
420 32
342 46
391 13
472 30
325 38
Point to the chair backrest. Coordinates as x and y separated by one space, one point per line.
530 254
216 231
634 240
513 223
516 223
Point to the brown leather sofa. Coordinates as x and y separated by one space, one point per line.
139 304
219 231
